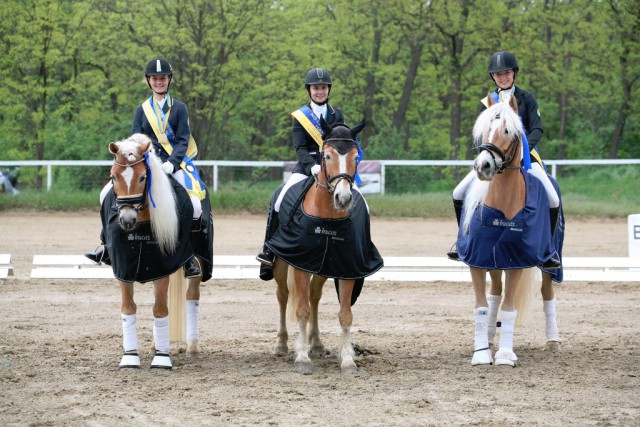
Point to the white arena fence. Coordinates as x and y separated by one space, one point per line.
373 172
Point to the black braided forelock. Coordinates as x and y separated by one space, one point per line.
340 139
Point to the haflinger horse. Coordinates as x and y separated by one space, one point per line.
324 232
505 228
147 222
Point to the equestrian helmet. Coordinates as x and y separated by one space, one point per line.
158 66
502 61
317 76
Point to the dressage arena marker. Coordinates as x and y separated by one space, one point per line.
400 269
6 268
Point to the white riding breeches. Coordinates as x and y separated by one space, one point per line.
536 170
179 176
296 178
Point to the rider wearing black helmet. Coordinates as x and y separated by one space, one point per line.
503 70
166 122
307 140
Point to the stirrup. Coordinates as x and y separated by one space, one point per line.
266 257
552 263
191 268
453 253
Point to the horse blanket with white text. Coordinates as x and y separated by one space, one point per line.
334 248
496 243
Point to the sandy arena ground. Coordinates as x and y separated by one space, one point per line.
60 344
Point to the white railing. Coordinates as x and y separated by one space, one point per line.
216 164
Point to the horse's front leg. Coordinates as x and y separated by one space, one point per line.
494 299
161 324
505 354
481 352
347 364
193 315
303 362
282 294
315 294
128 308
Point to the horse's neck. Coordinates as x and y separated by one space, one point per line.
507 193
319 202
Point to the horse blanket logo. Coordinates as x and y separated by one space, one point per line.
334 248
494 242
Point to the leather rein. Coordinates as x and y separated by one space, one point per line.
337 178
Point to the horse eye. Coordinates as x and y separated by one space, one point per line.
143 178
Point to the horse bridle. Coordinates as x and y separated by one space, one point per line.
137 203
339 177
506 156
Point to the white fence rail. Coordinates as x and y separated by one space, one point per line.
217 164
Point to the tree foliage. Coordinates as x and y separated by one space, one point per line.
73 72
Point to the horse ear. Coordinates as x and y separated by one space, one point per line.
144 147
514 103
113 148
326 127
490 100
357 128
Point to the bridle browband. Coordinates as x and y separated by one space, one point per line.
339 177
137 203
506 156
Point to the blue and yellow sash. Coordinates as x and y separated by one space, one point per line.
159 122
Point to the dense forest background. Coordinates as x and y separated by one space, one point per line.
73 72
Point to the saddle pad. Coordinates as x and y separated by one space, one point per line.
494 242
334 248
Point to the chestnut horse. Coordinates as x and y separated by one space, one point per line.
329 199
505 228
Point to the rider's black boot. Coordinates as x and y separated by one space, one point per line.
553 262
100 255
192 268
453 252
266 257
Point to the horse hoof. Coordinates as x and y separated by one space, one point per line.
348 368
506 357
553 346
305 368
192 347
281 350
161 361
130 360
482 357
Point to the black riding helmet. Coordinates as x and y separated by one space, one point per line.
157 67
503 61
317 76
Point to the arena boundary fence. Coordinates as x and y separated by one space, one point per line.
401 269
6 268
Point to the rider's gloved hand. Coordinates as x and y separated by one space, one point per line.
167 168
315 169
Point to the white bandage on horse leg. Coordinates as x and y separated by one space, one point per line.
494 305
129 332
161 334
507 326
551 325
481 316
538 172
193 319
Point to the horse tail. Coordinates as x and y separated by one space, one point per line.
164 215
292 303
473 198
526 293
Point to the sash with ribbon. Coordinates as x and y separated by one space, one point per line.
526 160
311 123
159 122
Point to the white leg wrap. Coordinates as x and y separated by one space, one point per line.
551 326
508 321
129 333
494 305
193 319
481 354
161 334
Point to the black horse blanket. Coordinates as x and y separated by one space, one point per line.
334 248
135 255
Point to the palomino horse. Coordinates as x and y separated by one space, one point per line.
147 224
328 237
505 227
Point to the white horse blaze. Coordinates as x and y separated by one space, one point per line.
127 176
343 189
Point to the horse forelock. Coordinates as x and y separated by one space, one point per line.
500 114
